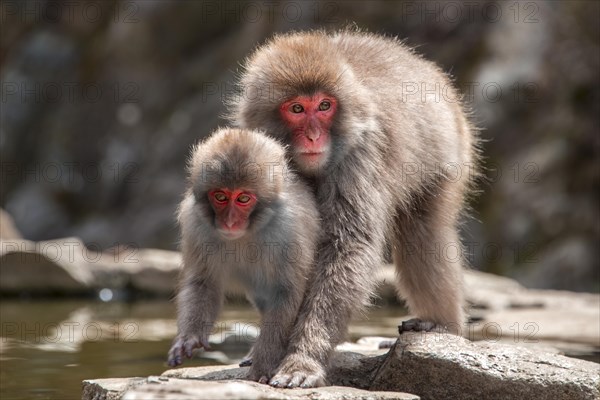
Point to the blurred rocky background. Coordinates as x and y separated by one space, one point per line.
101 101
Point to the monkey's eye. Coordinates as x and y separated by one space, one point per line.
297 108
220 197
324 106
243 198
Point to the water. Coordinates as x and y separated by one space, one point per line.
48 347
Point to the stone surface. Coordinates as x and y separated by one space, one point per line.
211 373
52 266
179 389
346 369
108 389
157 271
437 366
67 266
426 365
504 310
493 292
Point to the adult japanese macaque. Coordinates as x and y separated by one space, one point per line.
246 219
382 136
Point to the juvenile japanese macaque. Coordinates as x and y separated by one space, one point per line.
382 136
246 219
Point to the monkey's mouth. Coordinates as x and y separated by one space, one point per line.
311 162
231 234
312 154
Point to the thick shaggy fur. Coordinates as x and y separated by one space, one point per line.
271 262
401 166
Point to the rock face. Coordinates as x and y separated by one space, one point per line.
67 266
180 389
54 266
108 389
505 310
419 365
437 366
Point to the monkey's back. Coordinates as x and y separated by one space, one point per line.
423 115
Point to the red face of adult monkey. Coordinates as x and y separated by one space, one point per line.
375 128
309 119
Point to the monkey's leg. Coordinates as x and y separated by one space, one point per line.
275 330
198 304
341 284
323 319
429 260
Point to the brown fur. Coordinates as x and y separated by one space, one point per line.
283 226
368 192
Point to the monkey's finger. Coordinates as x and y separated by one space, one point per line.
296 380
280 381
312 381
204 343
175 361
174 356
264 380
190 345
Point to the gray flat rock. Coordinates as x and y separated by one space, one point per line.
438 366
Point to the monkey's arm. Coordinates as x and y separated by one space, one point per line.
198 303
353 229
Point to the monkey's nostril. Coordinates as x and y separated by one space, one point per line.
313 137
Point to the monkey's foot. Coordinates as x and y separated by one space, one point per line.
246 362
299 371
184 345
257 374
264 379
418 325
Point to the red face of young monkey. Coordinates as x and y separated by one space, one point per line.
309 119
232 211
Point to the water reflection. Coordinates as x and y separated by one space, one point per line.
48 347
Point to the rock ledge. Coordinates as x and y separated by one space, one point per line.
419 365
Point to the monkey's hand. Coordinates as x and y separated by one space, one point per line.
299 370
185 345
